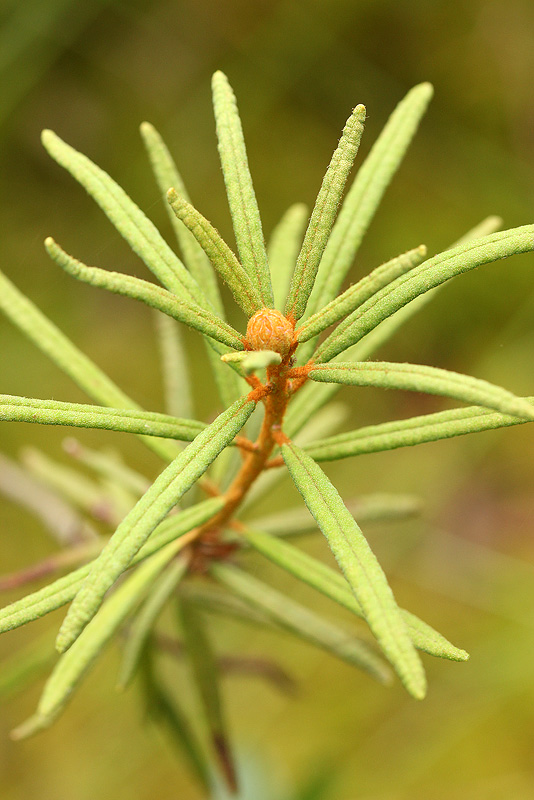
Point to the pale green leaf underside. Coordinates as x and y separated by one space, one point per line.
174 367
195 316
127 420
239 189
333 585
323 214
140 233
412 431
64 589
73 665
359 565
366 192
167 177
432 272
245 293
302 622
137 526
420 378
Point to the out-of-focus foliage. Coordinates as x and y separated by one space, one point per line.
92 71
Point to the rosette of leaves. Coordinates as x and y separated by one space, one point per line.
302 340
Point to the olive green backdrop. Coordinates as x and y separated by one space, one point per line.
93 71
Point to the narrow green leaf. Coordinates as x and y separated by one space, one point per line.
311 398
366 192
51 341
190 313
283 249
245 293
140 233
323 214
205 674
301 622
432 272
167 176
333 585
155 504
127 420
357 294
420 378
73 666
359 565
64 589
109 466
239 188
366 508
25 665
164 710
254 360
141 627
412 431
174 367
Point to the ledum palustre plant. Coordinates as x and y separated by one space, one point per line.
300 341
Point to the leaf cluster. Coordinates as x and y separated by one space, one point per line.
178 540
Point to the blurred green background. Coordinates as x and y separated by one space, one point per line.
92 71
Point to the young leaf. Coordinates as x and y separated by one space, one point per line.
239 189
254 360
420 378
359 565
409 432
140 233
62 590
357 294
155 504
51 341
167 176
141 628
73 666
283 249
333 585
300 621
245 293
188 312
432 272
205 673
366 192
78 415
323 214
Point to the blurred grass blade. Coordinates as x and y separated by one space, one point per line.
245 293
333 585
25 665
155 504
420 378
366 192
73 666
64 589
412 431
190 313
302 622
143 624
167 177
432 272
377 507
140 233
239 189
283 249
165 712
51 341
78 415
205 674
323 215
109 466
359 565
357 294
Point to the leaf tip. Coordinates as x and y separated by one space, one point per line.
30 727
